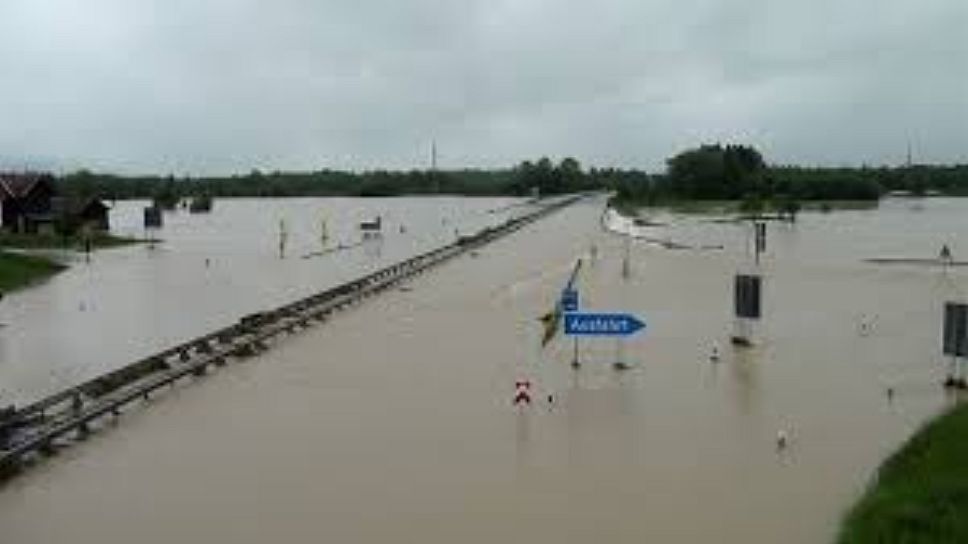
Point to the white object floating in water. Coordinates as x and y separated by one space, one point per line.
782 439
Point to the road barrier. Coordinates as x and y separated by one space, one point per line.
61 419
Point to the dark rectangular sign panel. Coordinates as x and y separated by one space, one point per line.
152 217
747 296
955 329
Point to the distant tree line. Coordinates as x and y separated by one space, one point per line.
548 178
708 172
916 179
737 172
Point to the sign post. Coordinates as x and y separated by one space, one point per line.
569 300
153 219
627 258
283 237
759 243
569 303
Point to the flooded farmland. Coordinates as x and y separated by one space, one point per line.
394 420
210 270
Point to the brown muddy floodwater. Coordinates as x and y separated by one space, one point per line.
393 422
130 302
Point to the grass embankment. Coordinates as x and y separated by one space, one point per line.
921 492
57 241
17 270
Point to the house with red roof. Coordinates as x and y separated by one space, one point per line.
25 201
29 204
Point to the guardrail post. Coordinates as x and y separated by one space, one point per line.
83 430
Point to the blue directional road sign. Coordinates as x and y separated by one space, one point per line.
569 300
588 324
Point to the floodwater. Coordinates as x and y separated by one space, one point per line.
393 422
211 269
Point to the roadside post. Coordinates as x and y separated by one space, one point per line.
748 291
759 242
283 238
153 220
627 258
569 304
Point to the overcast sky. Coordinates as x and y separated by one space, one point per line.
218 86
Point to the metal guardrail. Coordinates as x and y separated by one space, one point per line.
35 428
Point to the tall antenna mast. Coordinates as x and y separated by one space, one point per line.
909 153
433 165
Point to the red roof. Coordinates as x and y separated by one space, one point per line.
19 185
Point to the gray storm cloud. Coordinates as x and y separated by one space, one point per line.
224 86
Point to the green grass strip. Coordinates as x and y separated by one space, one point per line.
921 492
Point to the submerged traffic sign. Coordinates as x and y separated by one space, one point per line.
597 324
569 300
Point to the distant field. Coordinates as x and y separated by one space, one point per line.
18 270
921 492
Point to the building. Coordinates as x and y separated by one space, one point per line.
31 205
72 214
25 199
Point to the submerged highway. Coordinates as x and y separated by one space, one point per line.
394 421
